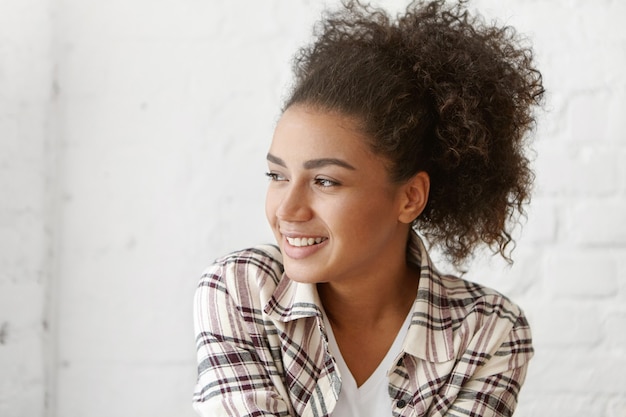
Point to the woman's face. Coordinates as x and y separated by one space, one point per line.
330 203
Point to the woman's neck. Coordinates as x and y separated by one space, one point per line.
375 300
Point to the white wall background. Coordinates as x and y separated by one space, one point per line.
132 143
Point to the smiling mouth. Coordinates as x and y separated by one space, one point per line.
304 241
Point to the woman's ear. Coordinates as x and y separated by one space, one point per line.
414 197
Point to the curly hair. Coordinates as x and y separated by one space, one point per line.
437 90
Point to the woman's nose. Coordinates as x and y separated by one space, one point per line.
294 205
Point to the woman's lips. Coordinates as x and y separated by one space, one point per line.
303 246
304 241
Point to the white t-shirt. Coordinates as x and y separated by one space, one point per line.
372 398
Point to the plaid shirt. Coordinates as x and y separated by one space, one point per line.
262 347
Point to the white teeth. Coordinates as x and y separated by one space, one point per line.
304 241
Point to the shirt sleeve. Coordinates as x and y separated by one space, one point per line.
493 389
233 367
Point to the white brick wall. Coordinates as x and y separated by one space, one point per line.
132 139
25 172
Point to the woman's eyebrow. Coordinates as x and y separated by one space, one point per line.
313 163
276 160
317 163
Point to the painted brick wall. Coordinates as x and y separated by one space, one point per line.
25 173
132 140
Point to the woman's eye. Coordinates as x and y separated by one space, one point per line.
325 182
274 176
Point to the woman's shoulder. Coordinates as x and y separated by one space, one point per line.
264 254
481 319
468 299
255 267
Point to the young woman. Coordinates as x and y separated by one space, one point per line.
397 132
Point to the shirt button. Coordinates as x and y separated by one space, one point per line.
401 404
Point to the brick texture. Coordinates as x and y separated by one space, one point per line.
25 101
